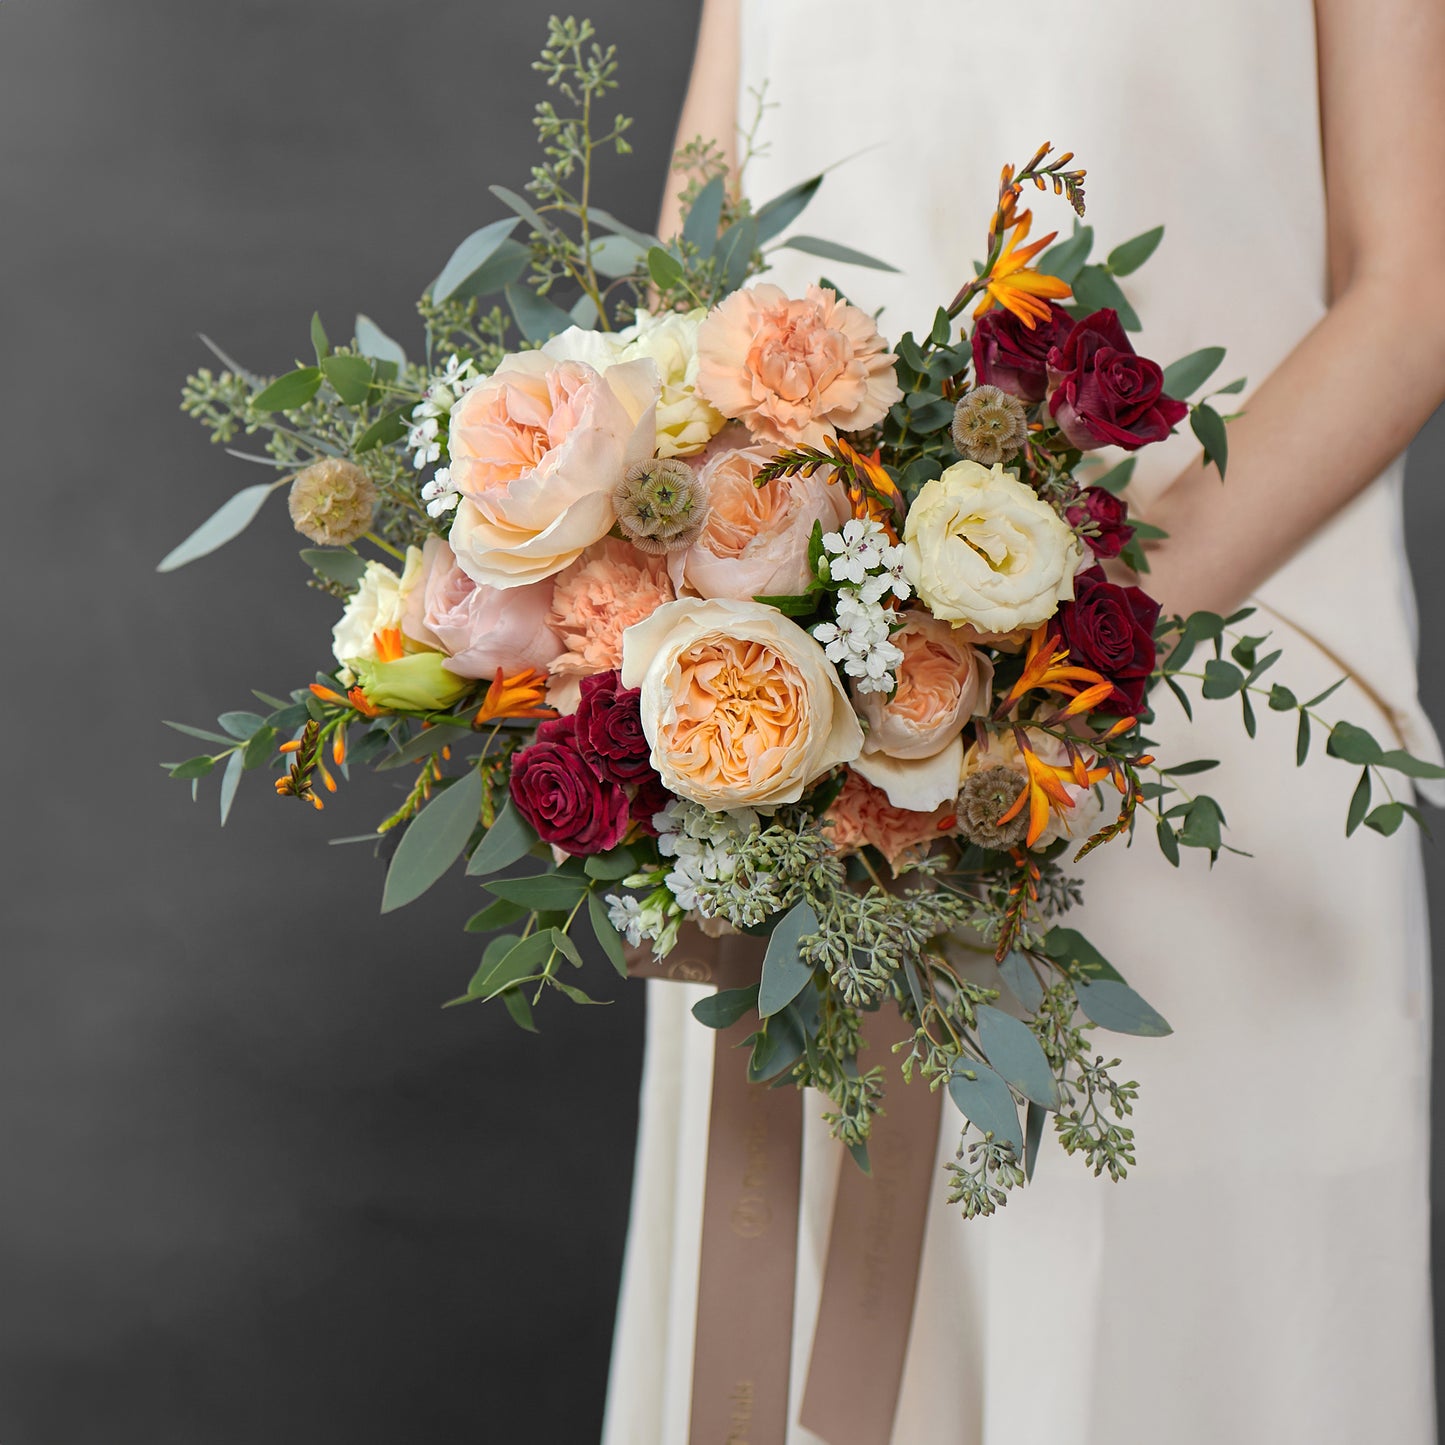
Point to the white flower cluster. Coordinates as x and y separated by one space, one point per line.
424 439
862 555
701 845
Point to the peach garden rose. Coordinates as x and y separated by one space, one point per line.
755 542
912 748
739 704
537 449
795 370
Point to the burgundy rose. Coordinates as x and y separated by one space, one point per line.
560 730
1006 354
609 729
558 793
1110 514
1102 393
649 800
1110 629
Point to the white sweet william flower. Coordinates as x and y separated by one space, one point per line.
983 548
624 913
440 493
423 439
856 550
858 641
889 578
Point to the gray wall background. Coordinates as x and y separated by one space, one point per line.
254 1185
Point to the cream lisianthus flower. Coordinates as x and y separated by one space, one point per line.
740 705
686 422
537 450
378 603
980 547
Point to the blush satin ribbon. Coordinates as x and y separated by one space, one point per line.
748 1269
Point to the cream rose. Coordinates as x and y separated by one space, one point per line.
378 603
981 547
686 422
755 542
740 705
912 748
537 449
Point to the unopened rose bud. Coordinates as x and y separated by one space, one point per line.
331 502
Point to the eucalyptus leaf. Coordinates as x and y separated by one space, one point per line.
985 1101
1353 744
1116 1007
203 734
1400 761
1359 803
433 841
616 255
469 258
785 975
1017 1056
1074 952
1387 818
372 341
229 521
778 1045
721 1010
606 934
230 781
1096 290
288 392
508 839
609 222
1066 257
1184 377
664 268
703 218
241 725
350 378
389 427
1208 426
519 1008
196 767
607 867
523 208
735 249
537 317
497 914
1033 1138
319 342
1130 255
524 959
777 215
335 564
832 251
1221 679
1116 478
542 891
1023 982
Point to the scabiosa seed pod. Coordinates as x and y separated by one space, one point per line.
984 799
331 502
989 425
661 506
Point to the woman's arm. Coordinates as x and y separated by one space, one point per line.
1359 385
711 107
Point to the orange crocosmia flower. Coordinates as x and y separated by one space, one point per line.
1045 790
1046 668
1017 286
355 698
522 695
865 503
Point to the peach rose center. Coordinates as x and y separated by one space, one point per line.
740 511
512 430
737 705
930 682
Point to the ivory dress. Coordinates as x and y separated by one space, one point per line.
1262 1276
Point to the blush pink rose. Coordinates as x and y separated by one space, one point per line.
537 449
795 371
861 814
597 599
755 543
479 628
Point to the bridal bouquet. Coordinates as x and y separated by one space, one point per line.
674 599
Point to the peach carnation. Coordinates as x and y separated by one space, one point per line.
597 599
795 371
755 540
862 814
